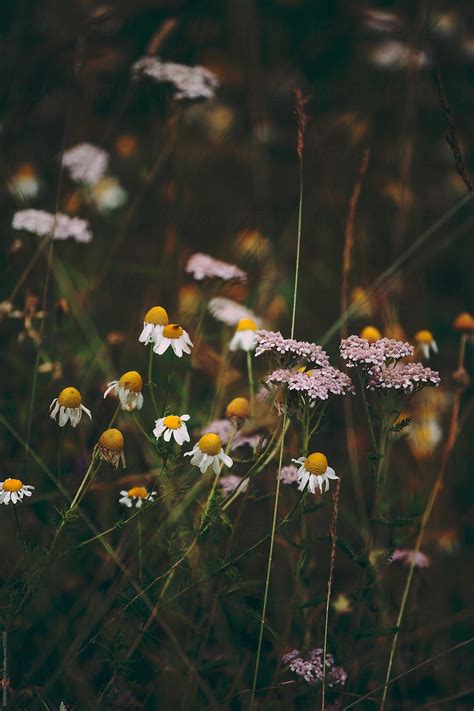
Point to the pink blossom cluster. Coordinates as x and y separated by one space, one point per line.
203 266
273 342
42 223
289 474
316 384
406 377
407 556
86 163
310 667
358 351
190 82
230 482
230 312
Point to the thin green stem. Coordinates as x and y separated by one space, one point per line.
298 250
82 485
140 553
150 383
367 412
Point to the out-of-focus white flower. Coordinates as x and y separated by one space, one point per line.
408 556
208 452
86 163
24 183
136 495
190 82
108 194
230 312
314 472
176 337
426 342
395 55
154 322
42 223
69 406
128 390
423 437
172 426
244 336
203 266
14 490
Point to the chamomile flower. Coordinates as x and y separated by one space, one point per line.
244 336
69 406
128 390
314 472
208 453
426 342
238 409
14 490
136 495
371 334
172 426
110 447
176 337
154 322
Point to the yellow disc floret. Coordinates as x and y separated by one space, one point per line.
131 380
137 492
157 316
111 440
316 463
173 422
464 322
12 484
371 334
238 407
173 330
424 337
210 444
69 397
246 324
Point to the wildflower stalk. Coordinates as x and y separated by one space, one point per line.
251 383
140 553
329 588
83 484
150 383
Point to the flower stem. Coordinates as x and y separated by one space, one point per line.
82 485
251 383
330 581
151 384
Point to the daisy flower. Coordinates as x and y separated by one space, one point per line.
176 337
238 408
154 322
371 334
128 390
24 183
69 405
244 336
426 342
208 453
110 447
172 426
136 495
464 323
314 472
14 490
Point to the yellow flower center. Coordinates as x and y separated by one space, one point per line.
112 440
137 492
424 337
172 422
173 330
246 324
131 380
12 484
25 170
316 463
464 322
371 334
210 444
238 407
157 316
69 397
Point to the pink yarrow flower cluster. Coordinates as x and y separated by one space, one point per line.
407 556
315 384
190 82
42 223
203 266
290 349
289 474
406 377
310 667
356 351
86 163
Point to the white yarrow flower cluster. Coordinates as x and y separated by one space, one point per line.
42 223
190 82
86 163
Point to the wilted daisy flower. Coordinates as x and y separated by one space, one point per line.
230 312
24 183
172 426
208 453
231 482
190 82
42 223
289 474
175 336
86 163
288 349
110 447
69 406
154 322
464 323
108 194
426 342
407 557
244 336
14 490
128 390
407 378
371 334
136 495
314 472
203 266
423 437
